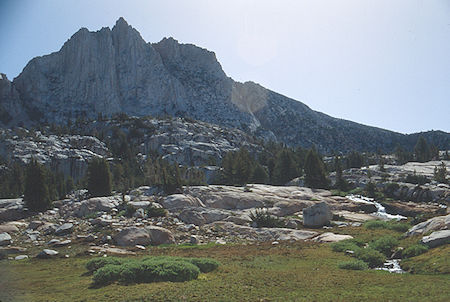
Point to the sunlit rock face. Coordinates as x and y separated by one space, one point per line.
115 71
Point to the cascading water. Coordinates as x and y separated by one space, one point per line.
381 211
391 265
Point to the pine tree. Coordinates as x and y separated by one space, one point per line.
99 178
440 173
260 175
285 167
341 183
422 150
315 175
36 195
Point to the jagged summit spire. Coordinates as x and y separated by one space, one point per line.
121 23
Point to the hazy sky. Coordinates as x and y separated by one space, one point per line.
383 63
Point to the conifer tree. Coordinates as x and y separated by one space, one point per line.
260 175
285 167
422 150
36 194
315 175
99 178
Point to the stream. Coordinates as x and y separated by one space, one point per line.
391 265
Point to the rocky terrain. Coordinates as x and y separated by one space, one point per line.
115 71
186 142
197 215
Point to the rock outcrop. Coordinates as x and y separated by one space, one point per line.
437 238
433 224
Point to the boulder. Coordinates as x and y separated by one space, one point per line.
21 257
46 254
8 228
433 224
5 239
12 209
94 205
201 216
317 215
64 229
437 238
160 235
180 201
133 236
331 237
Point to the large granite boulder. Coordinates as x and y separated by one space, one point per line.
94 205
201 216
5 239
12 209
181 201
317 215
437 238
154 235
433 224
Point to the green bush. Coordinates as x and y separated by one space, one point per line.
357 265
96 263
399 227
384 244
107 274
414 250
390 225
347 245
372 257
263 219
375 224
150 269
156 212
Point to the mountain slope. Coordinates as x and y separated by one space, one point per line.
115 71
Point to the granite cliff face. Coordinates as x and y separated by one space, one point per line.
115 71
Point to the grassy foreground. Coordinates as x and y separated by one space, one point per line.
259 272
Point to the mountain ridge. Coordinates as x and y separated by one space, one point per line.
112 71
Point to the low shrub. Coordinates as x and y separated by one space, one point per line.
357 265
149 269
390 225
156 212
384 244
96 263
372 257
262 219
146 271
107 274
375 224
347 245
414 250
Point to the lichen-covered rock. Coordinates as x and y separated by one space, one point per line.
317 215
331 237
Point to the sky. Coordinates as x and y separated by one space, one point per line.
384 63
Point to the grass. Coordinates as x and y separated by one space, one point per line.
256 272
434 261
356 265
389 225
